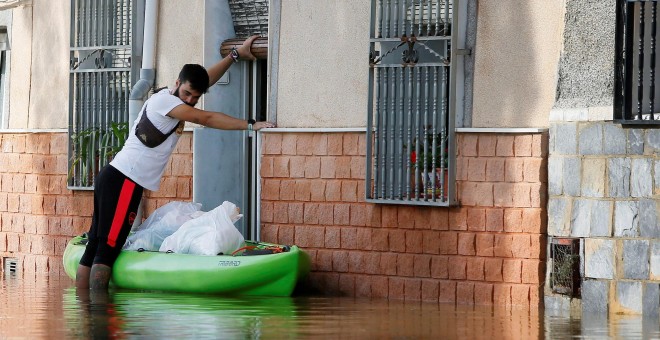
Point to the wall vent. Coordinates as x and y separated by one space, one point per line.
565 275
11 266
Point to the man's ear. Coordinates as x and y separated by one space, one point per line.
178 82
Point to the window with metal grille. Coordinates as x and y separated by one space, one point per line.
101 77
636 94
410 131
565 275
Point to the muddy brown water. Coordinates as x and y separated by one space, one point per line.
51 308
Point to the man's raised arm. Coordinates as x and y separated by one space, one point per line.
218 70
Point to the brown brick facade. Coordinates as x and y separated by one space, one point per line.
38 214
490 250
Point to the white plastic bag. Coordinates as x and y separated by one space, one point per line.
210 234
162 223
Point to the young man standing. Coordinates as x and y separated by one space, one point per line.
141 162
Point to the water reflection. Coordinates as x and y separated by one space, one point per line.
125 314
38 307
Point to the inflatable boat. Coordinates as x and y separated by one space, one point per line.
261 269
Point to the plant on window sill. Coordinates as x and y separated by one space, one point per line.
88 157
427 160
432 168
107 149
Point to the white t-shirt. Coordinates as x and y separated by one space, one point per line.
146 165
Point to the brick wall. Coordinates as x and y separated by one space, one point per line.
38 214
490 250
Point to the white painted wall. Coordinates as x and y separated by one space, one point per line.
322 75
39 67
323 63
5 21
20 45
49 83
516 62
180 38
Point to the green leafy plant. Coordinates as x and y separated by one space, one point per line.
94 147
426 157
83 151
108 148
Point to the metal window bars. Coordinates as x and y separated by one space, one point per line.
565 276
99 84
635 94
410 128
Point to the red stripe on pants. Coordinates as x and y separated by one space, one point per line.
120 214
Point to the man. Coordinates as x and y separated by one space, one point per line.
141 162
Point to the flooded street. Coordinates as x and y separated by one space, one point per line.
37 307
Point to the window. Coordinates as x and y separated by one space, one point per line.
412 102
636 98
101 76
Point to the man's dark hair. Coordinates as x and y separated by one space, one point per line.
196 75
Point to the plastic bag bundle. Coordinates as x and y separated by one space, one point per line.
162 223
210 234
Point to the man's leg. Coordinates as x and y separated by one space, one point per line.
116 202
82 277
99 277
85 265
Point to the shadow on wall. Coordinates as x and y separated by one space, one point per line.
516 55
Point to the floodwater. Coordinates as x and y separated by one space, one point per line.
51 308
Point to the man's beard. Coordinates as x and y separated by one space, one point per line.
176 94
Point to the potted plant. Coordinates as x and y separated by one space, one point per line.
431 164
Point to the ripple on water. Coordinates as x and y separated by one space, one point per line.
41 307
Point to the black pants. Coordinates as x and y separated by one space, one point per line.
116 200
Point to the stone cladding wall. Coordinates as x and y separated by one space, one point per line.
604 187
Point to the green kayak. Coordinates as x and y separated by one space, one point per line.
263 273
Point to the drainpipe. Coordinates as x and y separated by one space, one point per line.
141 89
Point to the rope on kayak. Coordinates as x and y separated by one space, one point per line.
256 250
242 249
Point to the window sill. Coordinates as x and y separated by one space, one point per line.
640 123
